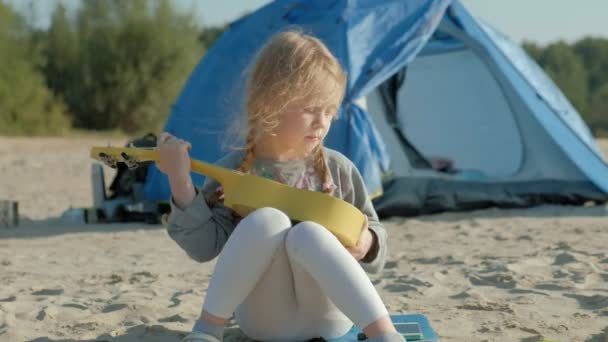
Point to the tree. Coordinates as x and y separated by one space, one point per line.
62 54
567 70
599 108
594 54
535 51
26 105
209 35
127 64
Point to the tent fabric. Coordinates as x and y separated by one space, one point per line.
425 79
212 97
555 113
486 116
545 88
414 196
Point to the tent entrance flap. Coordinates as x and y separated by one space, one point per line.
452 106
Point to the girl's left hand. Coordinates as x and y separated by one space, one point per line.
364 244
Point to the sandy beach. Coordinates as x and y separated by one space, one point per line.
489 275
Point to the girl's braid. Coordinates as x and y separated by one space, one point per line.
323 171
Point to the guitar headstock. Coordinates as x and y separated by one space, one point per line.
131 157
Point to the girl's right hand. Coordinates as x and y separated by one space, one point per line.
174 156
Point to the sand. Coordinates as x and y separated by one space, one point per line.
489 275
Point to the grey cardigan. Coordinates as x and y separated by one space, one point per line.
202 231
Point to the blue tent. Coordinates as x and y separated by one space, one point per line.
425 78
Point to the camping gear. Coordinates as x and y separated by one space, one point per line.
426 81
428 334
124 200
9 214
199 336
242 193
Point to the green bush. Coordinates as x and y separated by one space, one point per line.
26 105
123 64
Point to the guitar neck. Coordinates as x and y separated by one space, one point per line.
220 174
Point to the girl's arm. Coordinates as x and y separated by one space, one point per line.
201 229
357 195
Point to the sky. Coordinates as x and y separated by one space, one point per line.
541 21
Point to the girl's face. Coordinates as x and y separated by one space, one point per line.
301 129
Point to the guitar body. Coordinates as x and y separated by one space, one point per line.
245 193
252 192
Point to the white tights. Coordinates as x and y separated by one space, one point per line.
290 283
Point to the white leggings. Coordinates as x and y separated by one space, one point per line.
290 283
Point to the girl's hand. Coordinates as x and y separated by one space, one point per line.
174 157
364 244
175 162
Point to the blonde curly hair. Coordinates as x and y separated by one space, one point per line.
291 67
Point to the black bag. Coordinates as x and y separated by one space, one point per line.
122 184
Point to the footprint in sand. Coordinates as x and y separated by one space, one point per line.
524 238
564 258
499 280
535 269
493 264
526 299
47 313
439 260
75 306
171 319
595 302
481 305
396 288
8 299
413 281
391 264
114 307
552 287
143 277
560 273
48 292
175 298
474 223
461 295
406 284
101 278
562 245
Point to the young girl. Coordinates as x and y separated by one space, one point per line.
284 280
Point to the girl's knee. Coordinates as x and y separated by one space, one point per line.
307 234
269 216
264 222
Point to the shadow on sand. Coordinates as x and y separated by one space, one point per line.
54 226
153 333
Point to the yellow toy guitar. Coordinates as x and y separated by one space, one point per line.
244 193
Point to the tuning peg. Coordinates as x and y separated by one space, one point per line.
108 160
131 162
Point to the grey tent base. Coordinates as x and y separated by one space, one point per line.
412 196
